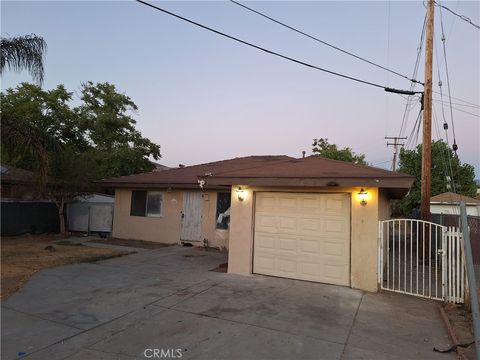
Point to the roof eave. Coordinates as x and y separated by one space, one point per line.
453 203
173 186
399 182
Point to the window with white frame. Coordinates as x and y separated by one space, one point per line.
146 203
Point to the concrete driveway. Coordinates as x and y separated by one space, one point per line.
167 303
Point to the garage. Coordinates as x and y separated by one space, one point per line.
312 218
303 236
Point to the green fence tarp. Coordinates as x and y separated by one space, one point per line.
19 218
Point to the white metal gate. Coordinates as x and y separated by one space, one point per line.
421 258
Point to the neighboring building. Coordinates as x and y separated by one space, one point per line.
22 210
17 184
478 187
311 218
92 213
448 203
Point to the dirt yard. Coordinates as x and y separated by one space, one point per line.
130 243
460 319
23 256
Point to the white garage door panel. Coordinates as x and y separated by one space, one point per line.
303 236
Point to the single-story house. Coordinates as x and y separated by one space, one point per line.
448 202
311 218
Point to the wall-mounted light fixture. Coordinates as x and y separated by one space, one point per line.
240 194
363 196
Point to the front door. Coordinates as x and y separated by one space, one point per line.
192 216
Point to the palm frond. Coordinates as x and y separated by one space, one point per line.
23 53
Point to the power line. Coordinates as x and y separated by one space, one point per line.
459 104
454 145
324 42
410 143
270 51
447 165
382 162
458 99
440 84
465 112
407 110
463 17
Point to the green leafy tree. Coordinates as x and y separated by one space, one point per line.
36 124
23 53
40 133
445 163
70 147
322 147
120 149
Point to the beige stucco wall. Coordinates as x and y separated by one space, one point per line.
383 214
364 232
217 238
383 205
164 229
167 228
208 216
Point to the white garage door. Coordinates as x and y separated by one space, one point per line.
303 236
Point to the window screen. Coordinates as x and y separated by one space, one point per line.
154 203
223 210
138 207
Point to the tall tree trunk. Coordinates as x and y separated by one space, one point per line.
61 217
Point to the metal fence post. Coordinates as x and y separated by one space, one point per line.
471 277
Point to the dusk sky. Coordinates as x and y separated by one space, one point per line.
205 98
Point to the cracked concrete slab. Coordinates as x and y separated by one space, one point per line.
168 299
84 340
202 337
398 324
320 311
23 333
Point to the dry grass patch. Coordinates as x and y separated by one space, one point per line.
142 244
22 256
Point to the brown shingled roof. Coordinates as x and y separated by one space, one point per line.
281 170
312 167
313 171
10 174
449 198
187 177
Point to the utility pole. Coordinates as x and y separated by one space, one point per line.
427 117
395 145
